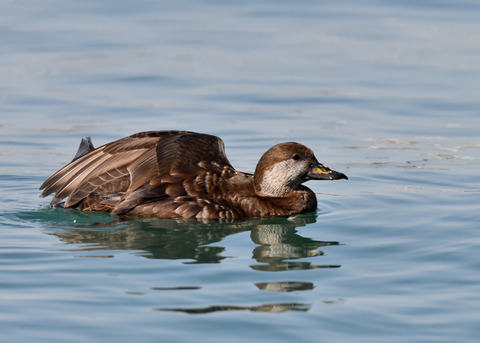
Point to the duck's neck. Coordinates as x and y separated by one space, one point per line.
298 201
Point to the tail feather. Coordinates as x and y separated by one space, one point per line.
85 147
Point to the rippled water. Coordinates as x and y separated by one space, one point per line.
385 92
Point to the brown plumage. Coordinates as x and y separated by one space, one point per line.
186 175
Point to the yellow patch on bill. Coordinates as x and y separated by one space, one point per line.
320 171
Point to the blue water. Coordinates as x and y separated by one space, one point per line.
386 92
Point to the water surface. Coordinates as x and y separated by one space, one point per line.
384 92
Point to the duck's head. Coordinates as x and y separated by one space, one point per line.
285 166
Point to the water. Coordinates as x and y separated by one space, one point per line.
385 92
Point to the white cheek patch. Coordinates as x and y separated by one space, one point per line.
283 178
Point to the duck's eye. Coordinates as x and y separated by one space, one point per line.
296 157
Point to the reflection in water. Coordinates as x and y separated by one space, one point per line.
262 308
287 286
279 247
280 243
155 238
182 288
278 240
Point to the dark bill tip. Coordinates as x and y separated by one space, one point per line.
321 172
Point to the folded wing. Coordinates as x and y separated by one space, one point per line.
133 168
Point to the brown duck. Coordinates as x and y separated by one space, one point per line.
186 175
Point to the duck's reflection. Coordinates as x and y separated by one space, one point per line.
281 307
278 247
278 240
279 243
285 286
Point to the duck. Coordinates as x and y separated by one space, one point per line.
186 175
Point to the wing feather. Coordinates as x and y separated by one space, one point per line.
136 169
91 179
70 179
50 185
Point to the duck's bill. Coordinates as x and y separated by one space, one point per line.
321 172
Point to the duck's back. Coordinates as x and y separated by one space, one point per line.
177 170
